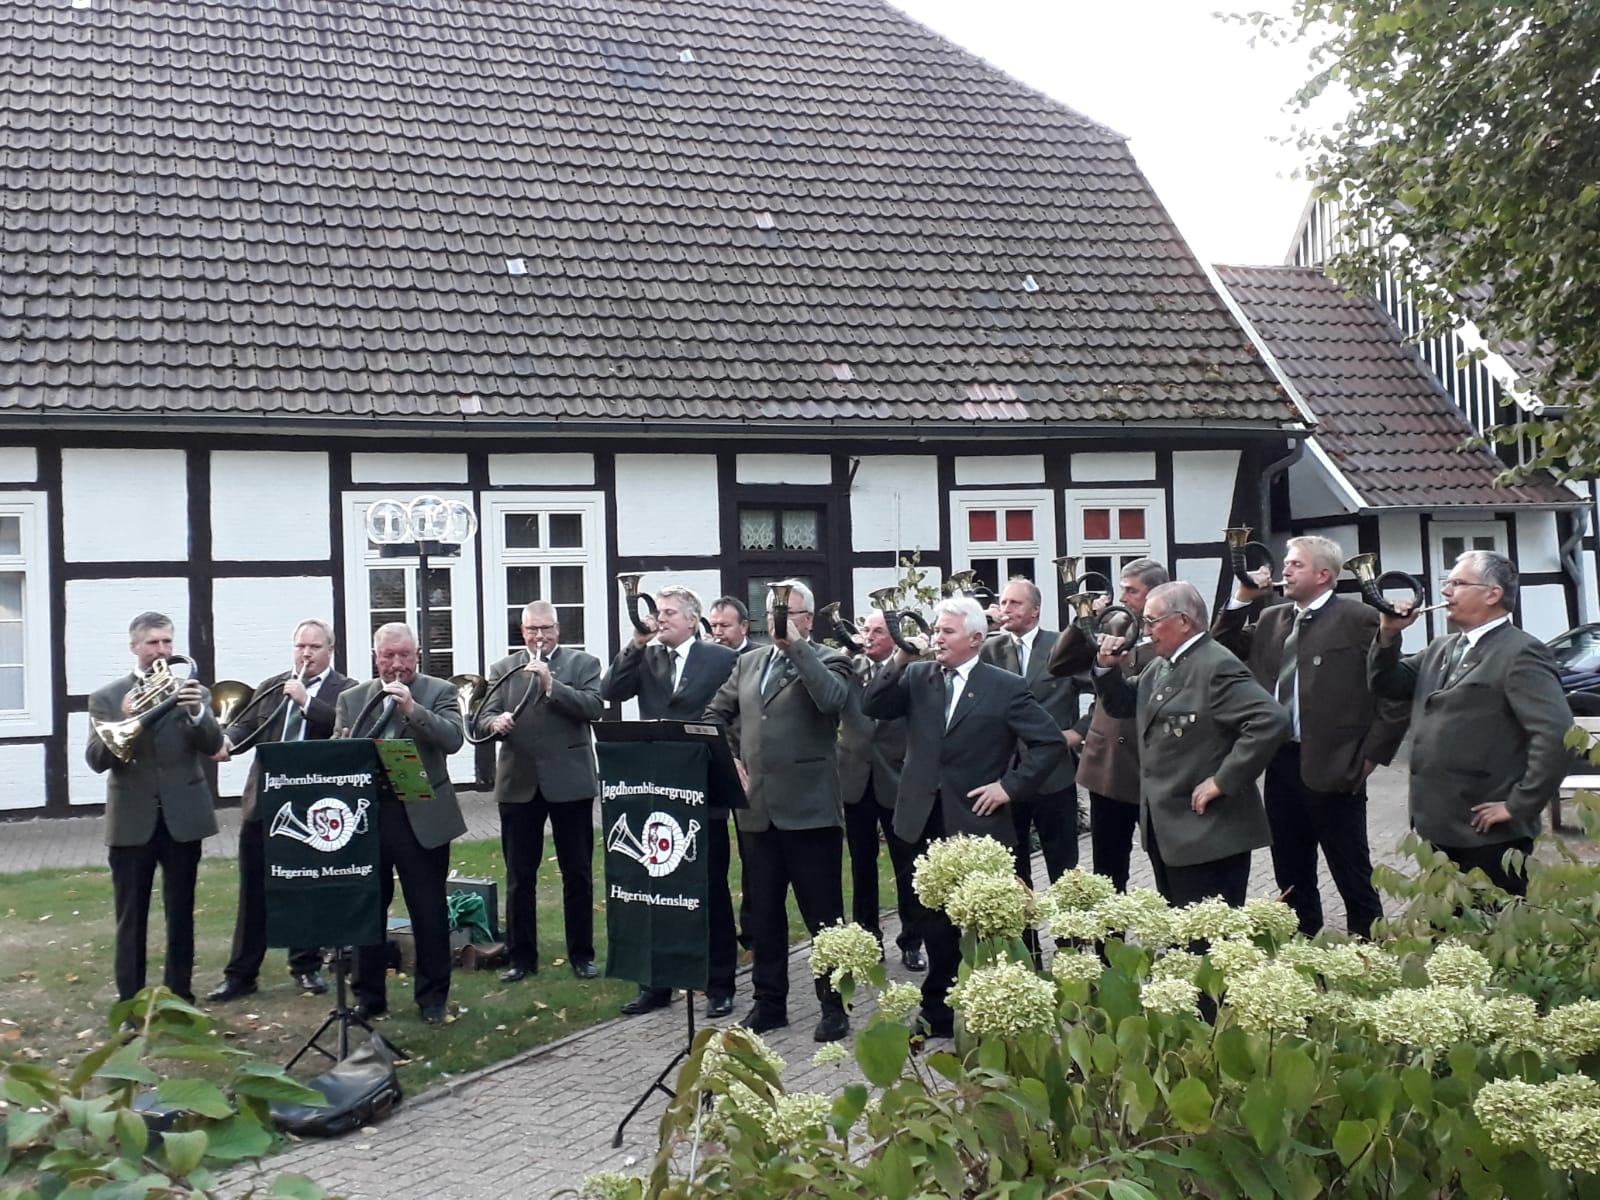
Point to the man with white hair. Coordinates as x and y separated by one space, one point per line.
976 741
781 709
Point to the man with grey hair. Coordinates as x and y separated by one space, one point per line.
159 807
1488 719
1310 653
1206 732
976 741
781 708
309 694
674 675
546 772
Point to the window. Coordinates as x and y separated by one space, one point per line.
24 616
1003 535
1110 529
779 542
544 546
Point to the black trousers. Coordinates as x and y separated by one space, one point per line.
1487 858
133 872
1112 826
811 861
722 949
1055 816
1304 820
422 875
250 923
862 822
522 846
1227 877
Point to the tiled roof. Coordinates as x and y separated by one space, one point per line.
472 210
1383 419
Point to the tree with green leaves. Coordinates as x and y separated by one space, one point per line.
1470 163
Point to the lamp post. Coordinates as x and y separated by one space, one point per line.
429 526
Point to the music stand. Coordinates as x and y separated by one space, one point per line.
341 1014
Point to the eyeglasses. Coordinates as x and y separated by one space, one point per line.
539 628
1450 585
1152 622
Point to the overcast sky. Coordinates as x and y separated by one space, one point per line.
1198 105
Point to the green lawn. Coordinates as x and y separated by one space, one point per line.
56 985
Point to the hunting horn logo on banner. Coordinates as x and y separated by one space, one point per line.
665 844
329 823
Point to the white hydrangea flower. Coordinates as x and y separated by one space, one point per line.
1176 964
1143 913
899 1000
1212 920
1510 1110
1272 917
830 1055
609 1185
1079 891
1571 1140
1077 924
844 949
1271 997
718 1056
1005 999
797 1114
950 861
1426 1018
989 906
1173 996
1231 956
1572 1030
1305 955
1512 1020
1070 967
1341 1008
1455 965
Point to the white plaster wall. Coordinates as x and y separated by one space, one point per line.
268 505
1010 468
231 776
540 470
1544 610
121 505
96 624
1129 467
895 502
21 776
1311 494
255 620
784 468
408 468
83 785
667 504
1202 493
18 464
1205 574
1348 537
1538 545
1400 543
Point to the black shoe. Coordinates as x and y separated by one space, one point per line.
913 959
762 1020
718 1004
231 989
514 974
311 981
833 1027
432 1015
933 1027
648 1000
371 1012
585 970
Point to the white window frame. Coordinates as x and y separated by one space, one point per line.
1041 547
463 568
591 508
36 717
1152 500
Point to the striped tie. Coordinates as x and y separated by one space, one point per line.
1288 664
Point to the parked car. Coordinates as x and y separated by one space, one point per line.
1577 654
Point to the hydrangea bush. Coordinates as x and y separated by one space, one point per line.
1420 1066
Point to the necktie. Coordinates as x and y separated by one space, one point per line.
294 725
949 692
1457 653
777 668
1022 656
1289 663
678 656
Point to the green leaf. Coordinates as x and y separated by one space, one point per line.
1234 1055
992 1055
881 1050
296 1187
1190 1103
946 1064
237 1137
1418 1087
196 1096
133 1135
1263 1114
25 1128
890 1175
1350 1141
1127 1189
274 1087
1103 1052
125 1065
184 1151
1298 1075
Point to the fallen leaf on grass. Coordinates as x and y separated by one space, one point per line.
74 979
561 1014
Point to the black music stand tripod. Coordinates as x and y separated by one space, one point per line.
660 1084
341 1014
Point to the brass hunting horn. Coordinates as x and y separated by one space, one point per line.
884 600
843 629
1075 648
1373 585
1246 556
151 699
632 597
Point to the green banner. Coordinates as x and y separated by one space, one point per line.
654 816
319 802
